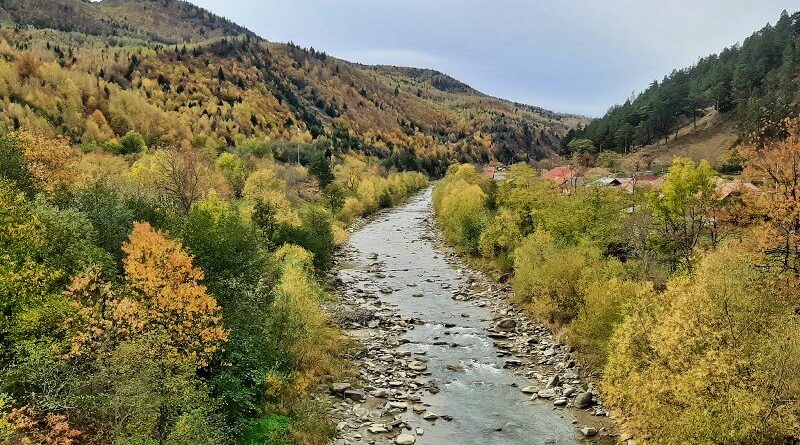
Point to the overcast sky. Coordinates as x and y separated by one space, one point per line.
578 56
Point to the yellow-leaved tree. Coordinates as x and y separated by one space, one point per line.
163 296
714 360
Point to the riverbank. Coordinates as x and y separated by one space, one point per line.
445 358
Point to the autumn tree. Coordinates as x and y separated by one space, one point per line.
774 162
27 66
163 296
683 209
29 427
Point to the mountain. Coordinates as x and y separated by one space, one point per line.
162 21
175 72
745 85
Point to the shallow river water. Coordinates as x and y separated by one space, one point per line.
484 398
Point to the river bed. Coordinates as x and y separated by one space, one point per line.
430 331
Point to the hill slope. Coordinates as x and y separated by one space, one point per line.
749 84
712 138
222 85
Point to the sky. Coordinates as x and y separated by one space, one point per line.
575 56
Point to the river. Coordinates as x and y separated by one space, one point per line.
394 270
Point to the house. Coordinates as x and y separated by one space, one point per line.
611 181
489 171
558 174
727 190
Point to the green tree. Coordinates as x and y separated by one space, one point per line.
132 142
683 210
581 146
320 168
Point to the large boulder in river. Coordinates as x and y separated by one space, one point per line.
505 325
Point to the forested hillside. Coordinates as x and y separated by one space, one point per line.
110 69
753 83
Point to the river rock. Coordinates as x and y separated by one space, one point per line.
561 401
378 428
356 395
547 393
417 366
405 439
505 325
398 405
583 400
339 387
553 382
588 431
427 415
530 390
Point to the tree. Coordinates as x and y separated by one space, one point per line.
608 159
181 177
13 165
132 142
163 298
581 146
27 66
233 168
683 209
321 169
161 272
713 360
774 162
335 194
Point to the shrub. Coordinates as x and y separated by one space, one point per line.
500 237
462 213
272 430
298 323
605 304
315 234
132 142
554 278
714 360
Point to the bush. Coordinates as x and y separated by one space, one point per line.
554 278
13 165
298 323
715 360
605 304
132 142
315 234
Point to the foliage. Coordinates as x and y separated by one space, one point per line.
132 142
554 279
775 164
268 431
714 360
683 209
605 305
